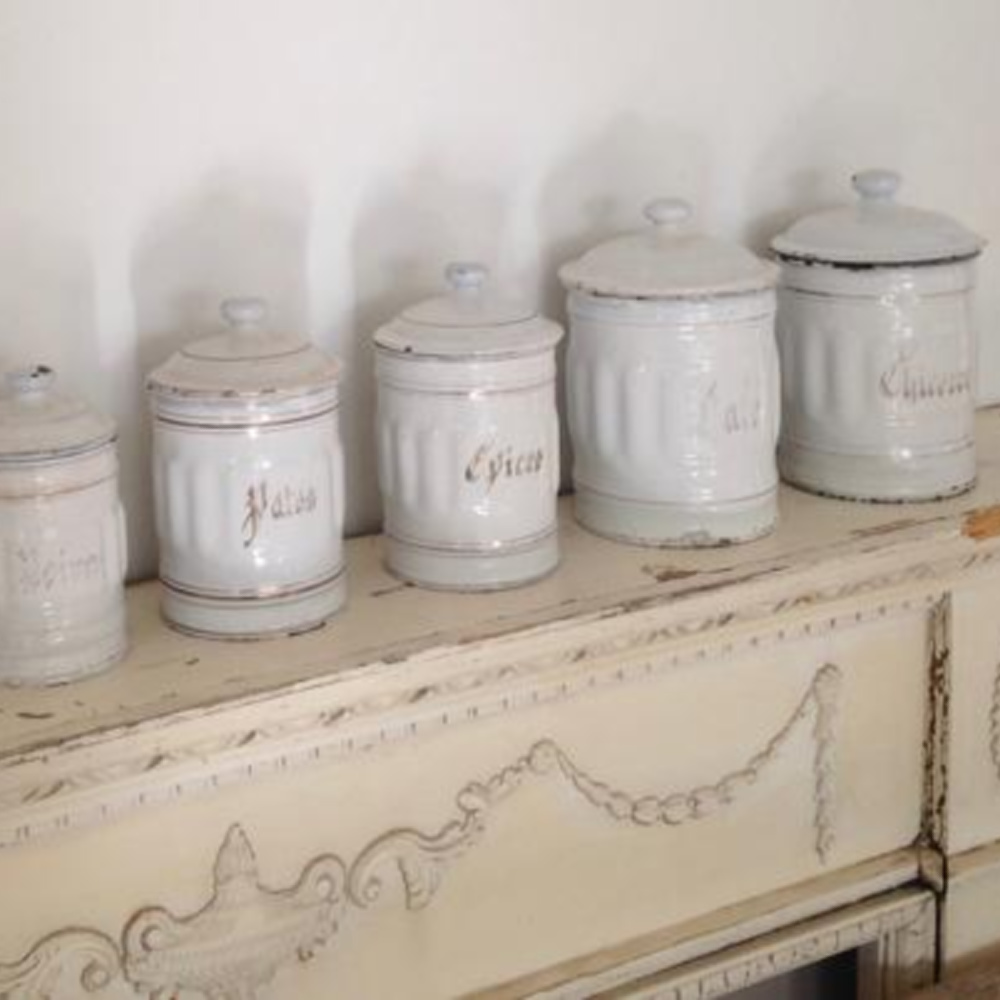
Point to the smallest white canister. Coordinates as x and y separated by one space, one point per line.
468 438
673 385
62 535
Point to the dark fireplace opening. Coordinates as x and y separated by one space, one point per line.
832 978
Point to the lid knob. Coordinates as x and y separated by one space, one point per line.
244 313
877 184
672 212
28 380
466 276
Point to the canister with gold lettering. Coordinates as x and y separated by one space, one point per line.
248 480
875 329
62 534
673 385
468 438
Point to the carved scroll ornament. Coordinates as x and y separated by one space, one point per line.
233 946
236 944
88 960
227 950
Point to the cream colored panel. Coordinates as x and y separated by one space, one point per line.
523 839
974 740
971 922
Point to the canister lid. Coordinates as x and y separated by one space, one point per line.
669 259
247 359
39 422
877 230
471 320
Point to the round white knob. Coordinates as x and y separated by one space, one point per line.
877 184
25 380
466 275
244 313
668 212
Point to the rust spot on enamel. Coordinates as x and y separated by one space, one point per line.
982 524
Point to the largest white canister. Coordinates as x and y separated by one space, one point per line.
875 327
468 438
673 386
248 475
62 534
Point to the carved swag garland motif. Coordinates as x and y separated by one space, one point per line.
63 787
232 947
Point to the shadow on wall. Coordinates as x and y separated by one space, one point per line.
48 304
237 234
807 164
407 230
805 191
590 196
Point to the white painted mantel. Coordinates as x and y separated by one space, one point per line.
654 774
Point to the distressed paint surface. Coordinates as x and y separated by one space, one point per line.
387 623
738 724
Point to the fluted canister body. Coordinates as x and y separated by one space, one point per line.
673 387
468 440
875 328
62 536
248 474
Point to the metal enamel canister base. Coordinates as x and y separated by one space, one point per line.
62 536
506 565
665 525
875 329
255 616
902 477
249 482
468 439
672 383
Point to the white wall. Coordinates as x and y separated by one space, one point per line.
334 154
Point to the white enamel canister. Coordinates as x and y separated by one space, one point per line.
62 535
468 439
876 335
248 475
673 386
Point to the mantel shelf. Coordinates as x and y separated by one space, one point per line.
386 623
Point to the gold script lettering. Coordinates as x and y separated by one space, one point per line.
263 502
491 462
735 416
907 380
